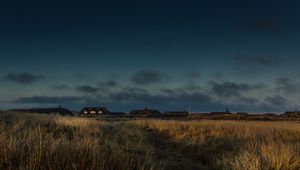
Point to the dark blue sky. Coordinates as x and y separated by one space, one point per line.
163 54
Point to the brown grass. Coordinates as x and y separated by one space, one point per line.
55 142
236 144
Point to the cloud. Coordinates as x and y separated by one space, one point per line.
109 84
23 78
255 60
129 94
61 87
193 75
254 64
174 98
231 89
146 77
187 87
171 98
128 98
217 75
87 89
79 76
102 86
49 100
191 86
201 98
214 97
262 25
287 85
277 101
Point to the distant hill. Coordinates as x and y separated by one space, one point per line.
57 111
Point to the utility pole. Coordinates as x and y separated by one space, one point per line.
189 109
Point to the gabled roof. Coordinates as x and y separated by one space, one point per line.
103 109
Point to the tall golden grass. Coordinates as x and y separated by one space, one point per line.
55 142
236 144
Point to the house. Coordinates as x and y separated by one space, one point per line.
93 111
145 111
58 111
291 114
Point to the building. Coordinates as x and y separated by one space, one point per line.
145 112
291 114
93 111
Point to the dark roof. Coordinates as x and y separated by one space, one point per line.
104 109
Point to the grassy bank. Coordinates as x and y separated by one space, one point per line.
55 142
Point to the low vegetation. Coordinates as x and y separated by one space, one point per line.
29 141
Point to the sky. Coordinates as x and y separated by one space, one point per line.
167 55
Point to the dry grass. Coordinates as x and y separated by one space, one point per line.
236 144
54 142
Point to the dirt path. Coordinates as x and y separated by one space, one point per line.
168 151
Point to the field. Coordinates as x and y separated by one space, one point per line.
29 141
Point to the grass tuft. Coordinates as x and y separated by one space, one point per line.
29 141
